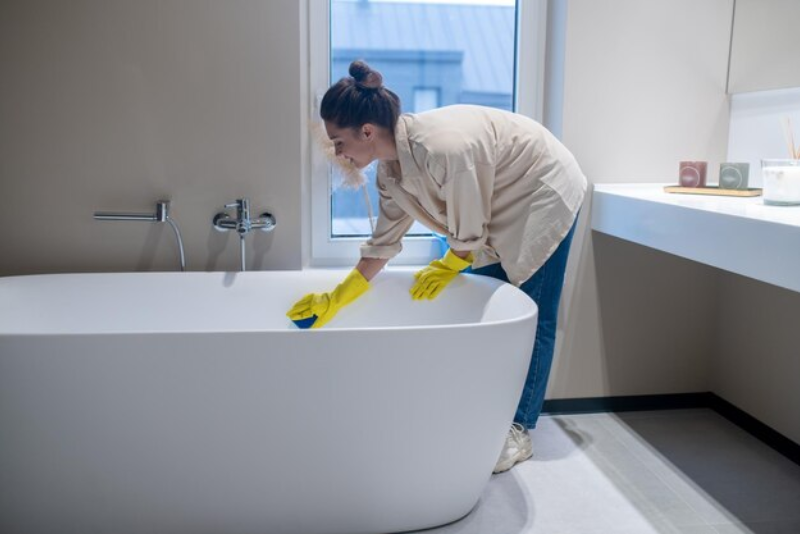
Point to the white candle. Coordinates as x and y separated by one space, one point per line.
781 183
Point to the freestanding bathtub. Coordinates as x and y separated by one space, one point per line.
188 403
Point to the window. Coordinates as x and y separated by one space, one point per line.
425 99
431 53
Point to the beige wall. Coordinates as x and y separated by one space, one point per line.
764 46
644 87
757 364
112 104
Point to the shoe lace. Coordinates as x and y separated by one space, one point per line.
517 432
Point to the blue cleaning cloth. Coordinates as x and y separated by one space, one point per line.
306 323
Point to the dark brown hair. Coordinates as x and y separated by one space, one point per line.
360 98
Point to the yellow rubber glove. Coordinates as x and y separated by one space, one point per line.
433 278
325 305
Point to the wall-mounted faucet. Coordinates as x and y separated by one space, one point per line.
242 223
161 215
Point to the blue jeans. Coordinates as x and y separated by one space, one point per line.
544 287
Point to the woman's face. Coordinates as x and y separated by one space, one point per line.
354 144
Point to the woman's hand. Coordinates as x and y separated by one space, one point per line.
434 278
322 307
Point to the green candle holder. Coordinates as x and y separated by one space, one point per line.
734 175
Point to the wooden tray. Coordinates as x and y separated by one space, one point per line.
714 190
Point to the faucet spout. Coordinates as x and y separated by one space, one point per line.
161 215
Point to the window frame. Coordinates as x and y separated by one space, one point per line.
529 65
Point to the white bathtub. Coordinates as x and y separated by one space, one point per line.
188 403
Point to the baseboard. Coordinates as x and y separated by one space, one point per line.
740 418
747 422
627 404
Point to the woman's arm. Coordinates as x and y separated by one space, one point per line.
369 267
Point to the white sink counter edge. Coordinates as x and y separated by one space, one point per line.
737 234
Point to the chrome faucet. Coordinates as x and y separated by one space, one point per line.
243 224
161 215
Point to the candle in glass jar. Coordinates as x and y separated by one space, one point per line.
781 182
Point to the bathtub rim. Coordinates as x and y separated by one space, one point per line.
533 312
471 326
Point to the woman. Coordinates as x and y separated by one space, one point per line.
503 189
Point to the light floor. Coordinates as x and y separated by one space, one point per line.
675 471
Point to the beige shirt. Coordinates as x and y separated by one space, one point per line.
495 183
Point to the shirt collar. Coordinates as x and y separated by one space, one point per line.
408 166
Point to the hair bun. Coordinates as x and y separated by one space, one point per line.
364 76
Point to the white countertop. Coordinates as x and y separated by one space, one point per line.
736 234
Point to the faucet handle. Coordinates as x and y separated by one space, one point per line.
266 222
242 206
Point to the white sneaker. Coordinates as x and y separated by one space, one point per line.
518 448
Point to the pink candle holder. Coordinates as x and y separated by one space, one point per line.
692 173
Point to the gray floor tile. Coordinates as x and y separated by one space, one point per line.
767 527
708 456
667 472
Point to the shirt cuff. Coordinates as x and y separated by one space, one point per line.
472 245
385 252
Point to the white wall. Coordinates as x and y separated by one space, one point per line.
113 104
644 87
756 130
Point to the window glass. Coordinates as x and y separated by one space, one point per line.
431 53
425 99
